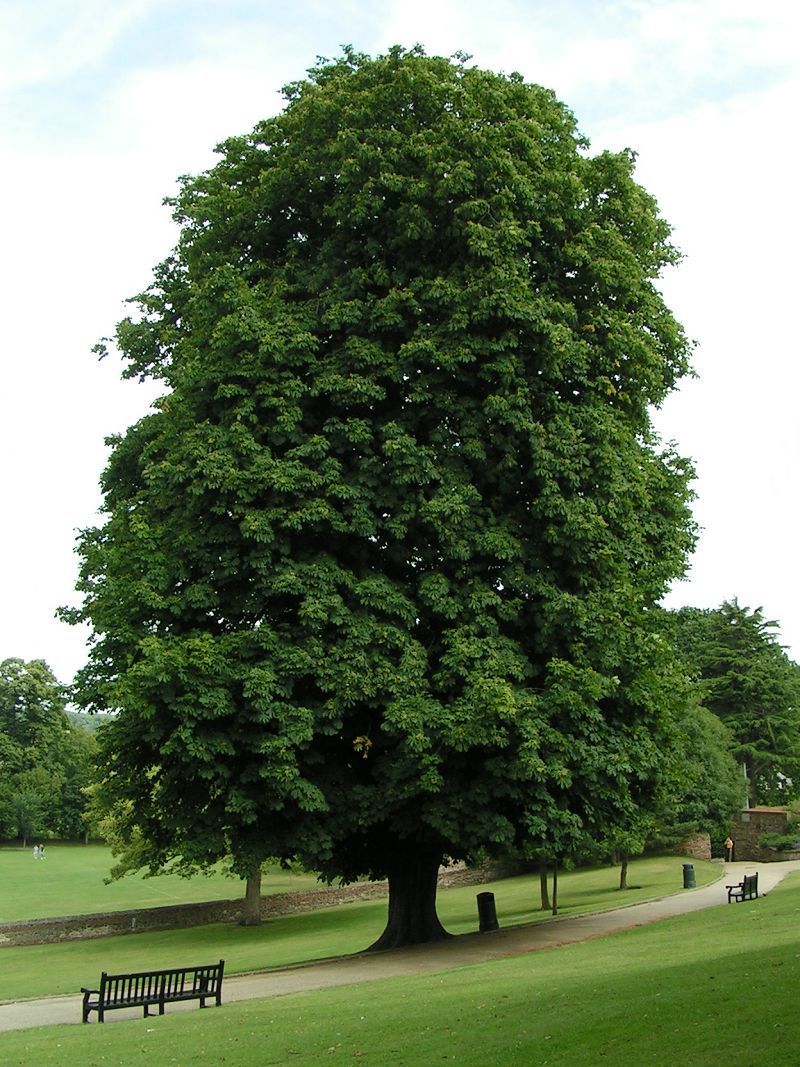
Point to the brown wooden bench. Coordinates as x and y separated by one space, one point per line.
747 889
151 989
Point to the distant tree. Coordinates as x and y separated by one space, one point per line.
12 756
375 580
699 785
706 787
32 706
26 814
90 723
45 761
747 680
76 763
133 852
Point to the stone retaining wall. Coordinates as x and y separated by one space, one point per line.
697 846
748 828
178 916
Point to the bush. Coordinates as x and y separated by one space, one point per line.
787 842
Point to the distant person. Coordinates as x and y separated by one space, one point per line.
36 852
41 852
729 849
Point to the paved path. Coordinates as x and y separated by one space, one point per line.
456 952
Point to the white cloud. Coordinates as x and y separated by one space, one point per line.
726 174
699 88
732 32
48 40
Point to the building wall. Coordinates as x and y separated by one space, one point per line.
750 825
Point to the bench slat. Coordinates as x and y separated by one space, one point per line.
146 989
747 889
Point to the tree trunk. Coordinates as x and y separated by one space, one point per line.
251 906
750 776
544 890
412 918
555 887
623 871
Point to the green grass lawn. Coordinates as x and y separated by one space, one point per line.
713 989
39 970
69 881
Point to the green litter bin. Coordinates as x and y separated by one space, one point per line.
688 876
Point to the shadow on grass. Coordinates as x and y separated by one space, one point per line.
715 988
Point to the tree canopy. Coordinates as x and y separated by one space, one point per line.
375 579
704 787
747 680
45 761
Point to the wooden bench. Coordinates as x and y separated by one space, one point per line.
150 989
747 889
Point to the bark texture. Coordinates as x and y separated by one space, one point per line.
412 918
544 889
251 907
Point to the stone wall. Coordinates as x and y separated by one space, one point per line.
697 846
178 916
748 828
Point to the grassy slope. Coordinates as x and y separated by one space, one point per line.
714 988
39 970
69 881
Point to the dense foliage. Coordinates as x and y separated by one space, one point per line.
747 680
375 579
704 788
45 760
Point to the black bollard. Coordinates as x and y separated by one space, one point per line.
487 913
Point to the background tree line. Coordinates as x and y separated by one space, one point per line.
734 739
744 676
45 755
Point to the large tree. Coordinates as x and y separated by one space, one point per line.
376 577
747 680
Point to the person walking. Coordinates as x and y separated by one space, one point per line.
729 849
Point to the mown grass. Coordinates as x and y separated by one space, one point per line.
70 881
39 970
714 988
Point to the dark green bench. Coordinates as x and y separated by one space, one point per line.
154 989
747 889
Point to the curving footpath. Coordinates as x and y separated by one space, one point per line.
456 952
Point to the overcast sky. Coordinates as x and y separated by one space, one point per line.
103 105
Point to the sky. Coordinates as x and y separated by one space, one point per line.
104 105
